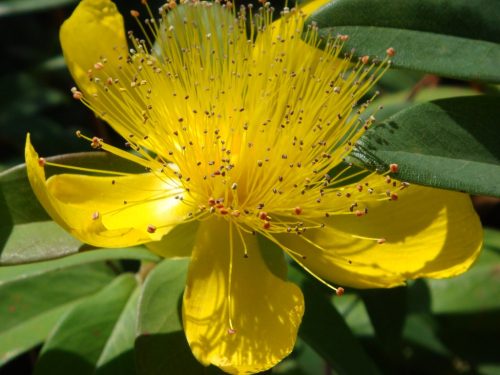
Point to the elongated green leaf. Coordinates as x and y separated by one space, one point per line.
11 7
117 356
9 273
324 329
449 143
26 235
82 337
391 104
161 346
455 38
29 295
29 334
32 300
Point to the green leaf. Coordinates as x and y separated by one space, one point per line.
387 311
161 346
324 329
32 299
26 235
29 334
449 143
88 335
393 103
117 356
11 7
420 329
477 290
12 273
453 38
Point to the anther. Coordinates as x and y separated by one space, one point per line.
95 215
263 215
394 168
231 331
211 201
390 52
339 291
394 196
223 211
96 142
234 186
77 95
297 210
41 162
266 224
380 241
365 59
151 228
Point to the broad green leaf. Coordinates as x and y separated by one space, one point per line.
26 235
453 38
23 271
81 338
324 329
37 241
11 7
117 357
32 300
161 346
477 290
31 294
449 143
29 334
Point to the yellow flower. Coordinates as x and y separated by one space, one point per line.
239 134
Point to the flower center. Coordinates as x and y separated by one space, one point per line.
249 124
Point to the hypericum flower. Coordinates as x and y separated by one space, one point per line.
241 126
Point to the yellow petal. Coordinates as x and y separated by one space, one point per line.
265 310
93 208
311 6
94 30
179 242
428 233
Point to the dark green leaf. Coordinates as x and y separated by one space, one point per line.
449 143
387 311
161 346
455 38
324 329
393 103
420 329
87 335
117 357
25 233
29 334
11 273
33 297
10 7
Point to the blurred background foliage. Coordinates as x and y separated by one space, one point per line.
101 311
